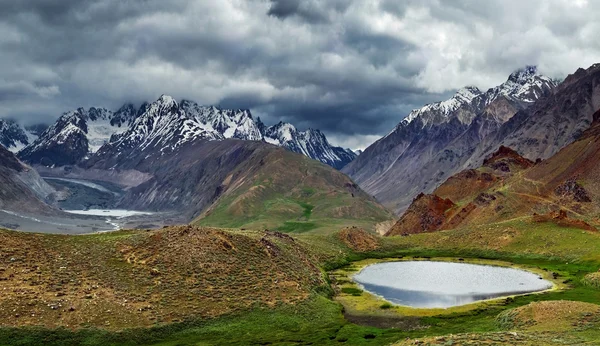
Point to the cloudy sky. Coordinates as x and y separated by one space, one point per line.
350 68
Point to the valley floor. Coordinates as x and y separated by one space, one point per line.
202 286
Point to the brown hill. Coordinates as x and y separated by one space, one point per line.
144 278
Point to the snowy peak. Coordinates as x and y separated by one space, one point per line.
231 123
442 109
311 143
13 136
466 94
521 76
76 134
281 133
63 143
162 128
525 85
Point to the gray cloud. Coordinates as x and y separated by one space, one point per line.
353 69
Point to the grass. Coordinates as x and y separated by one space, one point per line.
242 264
307 209
280 196
296 227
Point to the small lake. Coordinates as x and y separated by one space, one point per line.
430 284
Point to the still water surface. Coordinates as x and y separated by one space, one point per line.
429 284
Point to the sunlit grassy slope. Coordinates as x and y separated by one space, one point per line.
291 193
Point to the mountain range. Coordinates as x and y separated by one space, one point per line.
529 112
78 134
562 189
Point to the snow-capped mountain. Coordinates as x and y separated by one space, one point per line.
240 124
231 123
166 124
15 137
75 135
159 130
311 143
439 111
522 87
439 139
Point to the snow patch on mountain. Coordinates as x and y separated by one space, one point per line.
525 85
13 136
164 125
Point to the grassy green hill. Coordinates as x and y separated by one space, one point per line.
288 192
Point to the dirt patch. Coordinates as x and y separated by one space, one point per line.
358 239
560 218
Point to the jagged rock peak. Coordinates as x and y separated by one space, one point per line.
523 74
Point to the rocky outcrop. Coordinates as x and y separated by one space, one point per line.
560 218
505 158
427 213
571 189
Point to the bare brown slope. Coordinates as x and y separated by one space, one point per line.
427 213
143 278
470 196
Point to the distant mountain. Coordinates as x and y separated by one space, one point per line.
230 123
240 124
311 143
78 134
440 139
15 137
159 130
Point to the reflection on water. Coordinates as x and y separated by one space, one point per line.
428 284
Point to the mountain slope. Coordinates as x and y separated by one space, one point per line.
563 189
21 188
239 183
279 189
443 138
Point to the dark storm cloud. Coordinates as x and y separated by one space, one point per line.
350 68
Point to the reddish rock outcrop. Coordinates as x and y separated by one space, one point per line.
427 213
504 158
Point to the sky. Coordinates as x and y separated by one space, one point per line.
352 69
